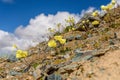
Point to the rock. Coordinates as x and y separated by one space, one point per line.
64 64
66 56
14 73
37 74
75 78
18 68
91 18
111 42
52 52
77 57
9 76
78 37
115 35
54 77
12 58
82 55
102 13
68 68
89 35
27 69
69 38
47 49
78 50
50 69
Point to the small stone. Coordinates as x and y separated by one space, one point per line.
66 56
14 73
77 56
12 58
82 55
69 38
8 76
115 35
89 35
54 77
78 37
17 68
111 42
68 68
53 53
37 74
78 50
27 69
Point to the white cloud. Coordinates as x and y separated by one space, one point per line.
89 10
8 39
30 35
118 2
38 26
7 1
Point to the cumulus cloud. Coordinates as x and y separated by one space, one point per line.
32 34
8 39
118 3
38 26
89 10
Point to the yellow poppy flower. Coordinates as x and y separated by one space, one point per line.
110 6
83 27
14 46
62 41
21 54
104 7
83 21
95 13
69 30
52 30
113 2
87 21
52 43
58 37
95 22
73 28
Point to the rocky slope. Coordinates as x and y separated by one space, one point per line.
91 53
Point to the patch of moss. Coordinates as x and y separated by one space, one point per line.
35 65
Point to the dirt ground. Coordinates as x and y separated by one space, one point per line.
106 67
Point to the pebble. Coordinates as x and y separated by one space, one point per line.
54 77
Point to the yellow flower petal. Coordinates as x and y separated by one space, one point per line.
87 21
83 21
21 54
95 23
104 7
25 53
52 43
69 30
73 28
110 6
83 27
63 41
113 2
58 37
14 46
95 13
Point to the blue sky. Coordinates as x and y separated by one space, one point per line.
14 13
